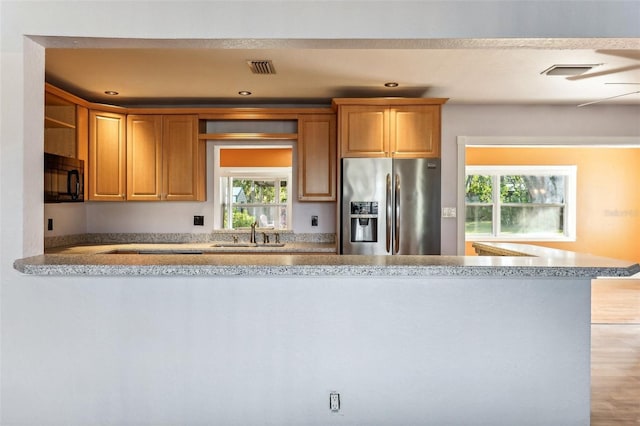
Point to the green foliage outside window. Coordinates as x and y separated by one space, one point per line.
525 204
241 219
255 200
479 189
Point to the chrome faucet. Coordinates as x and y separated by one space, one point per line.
252 238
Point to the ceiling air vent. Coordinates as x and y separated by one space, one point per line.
573 69
263 66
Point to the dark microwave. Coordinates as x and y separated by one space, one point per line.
63 179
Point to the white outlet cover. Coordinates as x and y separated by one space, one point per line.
449 212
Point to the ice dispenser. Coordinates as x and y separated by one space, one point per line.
364 221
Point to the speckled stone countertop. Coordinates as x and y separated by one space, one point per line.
212 247
95 260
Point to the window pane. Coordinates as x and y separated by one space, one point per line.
478 189
265 216
283 220
479 220
242 218
224 198
254 191
532 189
283 191
533 220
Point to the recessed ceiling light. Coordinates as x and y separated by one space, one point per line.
244 93
569 69
111 93
391 84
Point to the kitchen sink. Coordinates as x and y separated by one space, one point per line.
234 245
159 251
241 245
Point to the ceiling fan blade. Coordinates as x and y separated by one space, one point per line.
609 98
605 72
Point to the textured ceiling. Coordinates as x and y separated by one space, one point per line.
153 72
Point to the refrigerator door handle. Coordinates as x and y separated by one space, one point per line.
397 216
388 218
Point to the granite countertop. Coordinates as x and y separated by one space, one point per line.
210 247
95 260
515 249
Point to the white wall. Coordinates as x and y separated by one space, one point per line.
68 219
245 351
64 342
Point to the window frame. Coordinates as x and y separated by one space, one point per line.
277 174
496 171
213 179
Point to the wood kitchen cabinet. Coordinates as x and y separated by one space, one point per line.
66 126
165 160
144 157
60 136
183 159
317 157
107 156
389 127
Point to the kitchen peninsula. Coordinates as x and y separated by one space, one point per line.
291 259
472 340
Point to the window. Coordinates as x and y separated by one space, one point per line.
533 203
255 195
252 183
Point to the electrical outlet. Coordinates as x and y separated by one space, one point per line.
314 220
198 220
334 401
49 224
449 212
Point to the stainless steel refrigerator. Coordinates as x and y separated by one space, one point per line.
390 206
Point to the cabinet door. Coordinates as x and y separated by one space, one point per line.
107 156
317 158
364 131
415 131
144 157
182 159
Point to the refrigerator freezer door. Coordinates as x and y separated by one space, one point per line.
418 205
364 181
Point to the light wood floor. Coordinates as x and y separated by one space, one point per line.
615 352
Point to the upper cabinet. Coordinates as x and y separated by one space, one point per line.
144 157
389 127
183 159
165 160
107 156
157 154
317 157
66 126
59 126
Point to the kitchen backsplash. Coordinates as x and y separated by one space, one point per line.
115 238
